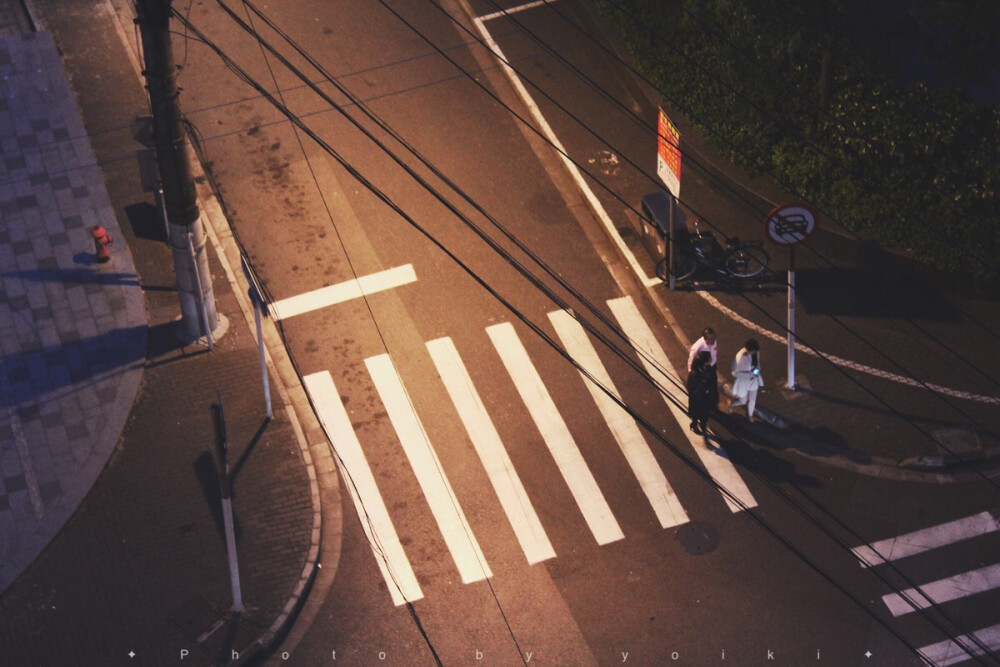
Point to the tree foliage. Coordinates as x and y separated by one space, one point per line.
880 113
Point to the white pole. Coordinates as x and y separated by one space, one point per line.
227 504
263 360
790 384
672 282
201 294
234 566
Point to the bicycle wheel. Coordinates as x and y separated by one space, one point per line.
746 261
685 264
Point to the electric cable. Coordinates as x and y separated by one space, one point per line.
314 137
941 445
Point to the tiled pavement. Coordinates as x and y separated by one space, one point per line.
72 331
111 531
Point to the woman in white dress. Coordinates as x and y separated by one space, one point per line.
746 377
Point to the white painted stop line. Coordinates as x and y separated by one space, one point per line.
345 291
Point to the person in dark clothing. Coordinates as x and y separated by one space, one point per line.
703 392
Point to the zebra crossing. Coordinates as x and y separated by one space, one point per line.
473 414
941 591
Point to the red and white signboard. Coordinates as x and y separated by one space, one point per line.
668 154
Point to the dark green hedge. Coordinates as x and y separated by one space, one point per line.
817 94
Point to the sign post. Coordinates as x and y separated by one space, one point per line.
259 304
789 225
668 168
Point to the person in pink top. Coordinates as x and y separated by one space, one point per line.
707 343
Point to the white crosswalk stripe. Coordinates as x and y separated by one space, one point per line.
496 461
656 362
430 474
920 541
626 432
354 469
941 591
482 433
963 648
556 435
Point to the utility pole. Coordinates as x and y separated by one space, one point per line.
185 231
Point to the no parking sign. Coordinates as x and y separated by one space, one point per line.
790 223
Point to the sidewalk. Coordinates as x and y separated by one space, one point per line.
112 548
894 376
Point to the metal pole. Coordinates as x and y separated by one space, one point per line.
263 360
790 384
163 212
672 281
200 295
227 505
179 196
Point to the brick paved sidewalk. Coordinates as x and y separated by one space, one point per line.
139 573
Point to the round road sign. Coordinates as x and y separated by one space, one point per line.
790 223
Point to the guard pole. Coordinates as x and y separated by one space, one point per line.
219 420
263 359
672 281
790 384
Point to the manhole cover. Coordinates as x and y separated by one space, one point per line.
697 538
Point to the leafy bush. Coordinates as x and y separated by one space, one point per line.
819 96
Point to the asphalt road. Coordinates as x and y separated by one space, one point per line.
599 574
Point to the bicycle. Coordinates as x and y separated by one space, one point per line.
739 260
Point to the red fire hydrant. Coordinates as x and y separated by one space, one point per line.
102 239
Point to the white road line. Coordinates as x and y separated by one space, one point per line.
558 439
496 461
654 483
546 129
345 291
720 468
926 539
430 474
944 590
960 649
357 475
514 10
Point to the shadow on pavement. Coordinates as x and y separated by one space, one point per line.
818 442
864 293
762 462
